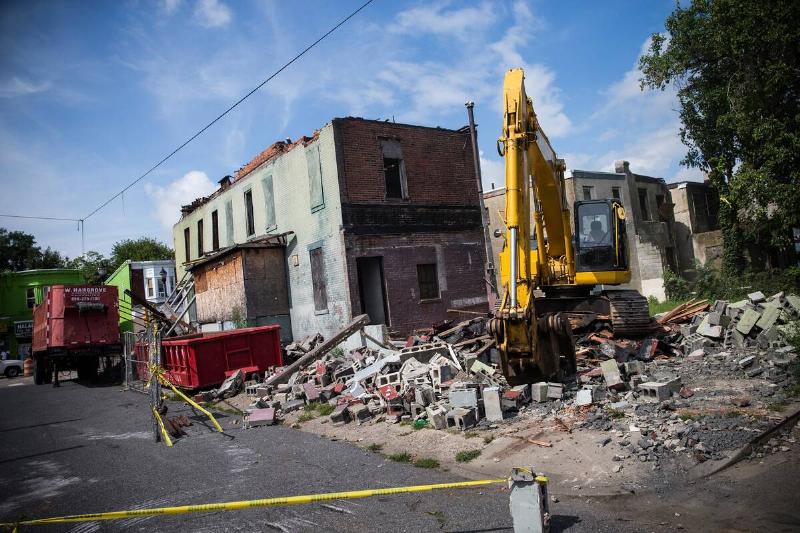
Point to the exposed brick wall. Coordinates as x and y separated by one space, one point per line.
460 262
438 162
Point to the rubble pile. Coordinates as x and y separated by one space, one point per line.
650 397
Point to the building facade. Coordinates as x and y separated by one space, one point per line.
150 281
697 234
19 293
381 218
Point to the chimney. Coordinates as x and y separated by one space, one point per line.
622 167
225 182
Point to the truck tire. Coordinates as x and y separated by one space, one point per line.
12 372
87 368
39 370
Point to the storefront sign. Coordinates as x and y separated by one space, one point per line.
23 329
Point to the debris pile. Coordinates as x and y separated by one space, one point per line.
703 384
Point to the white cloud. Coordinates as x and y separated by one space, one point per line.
170 6
438 20
212 14
493 171
168 200
17 87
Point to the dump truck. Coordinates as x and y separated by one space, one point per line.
73 327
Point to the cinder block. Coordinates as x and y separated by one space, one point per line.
261 417
655 391
341 415
584 397
311 392
360 412
611 375
633 367
756 297
555 391
292 405
539 392
437 416
491 404
463 397
462 418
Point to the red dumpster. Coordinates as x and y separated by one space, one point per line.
206 359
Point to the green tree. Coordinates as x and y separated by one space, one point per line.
18 251
736 67
94 266
141 249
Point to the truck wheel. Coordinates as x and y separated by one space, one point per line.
12 372
87 369
39 370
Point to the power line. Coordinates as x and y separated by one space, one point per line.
231 108
41 218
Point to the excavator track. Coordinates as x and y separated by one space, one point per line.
630 313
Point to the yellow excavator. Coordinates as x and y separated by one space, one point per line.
550 274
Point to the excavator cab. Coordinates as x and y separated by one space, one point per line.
600 239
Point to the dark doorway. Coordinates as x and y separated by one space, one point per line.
372 290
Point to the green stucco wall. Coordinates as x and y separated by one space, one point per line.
121 278
14 302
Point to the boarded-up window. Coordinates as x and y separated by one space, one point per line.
315 178
215 230
428 281
229 222
318 279
269 202
394 170
187 242
200 238
615 192
587 193
248 210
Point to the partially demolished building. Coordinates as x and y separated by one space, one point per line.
376 217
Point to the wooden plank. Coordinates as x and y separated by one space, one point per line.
358 322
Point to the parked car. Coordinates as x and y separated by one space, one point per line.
11 368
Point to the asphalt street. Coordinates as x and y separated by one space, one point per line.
82 448
85 448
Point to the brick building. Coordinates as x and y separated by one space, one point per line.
697 233
384 220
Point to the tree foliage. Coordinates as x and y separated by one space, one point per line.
18 251
141 249
94 266
736 67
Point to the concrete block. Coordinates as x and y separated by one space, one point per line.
525 392
463 397
747 361
462 418
388 379
584 397
292 405
720 306
794 302
633 367
437 416
341 415
696 356
768 317
688 329
655 391
360 412
281 397
424 395
707 330
416 409
611 375
491 404
747 321
479 366
539 392
756 297
311 392
261 417
555 391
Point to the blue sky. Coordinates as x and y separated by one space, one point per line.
93 93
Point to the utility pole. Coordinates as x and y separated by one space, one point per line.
491 290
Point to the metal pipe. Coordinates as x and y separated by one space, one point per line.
491 290
513 275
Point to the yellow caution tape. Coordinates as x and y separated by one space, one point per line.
159 372
164 434
249 504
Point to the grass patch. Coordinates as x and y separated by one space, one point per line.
325 409
471 434
313 410
400 457
615 413
776 406
426 462
306 416
405 422
467 456
657 307
375 447
686 415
